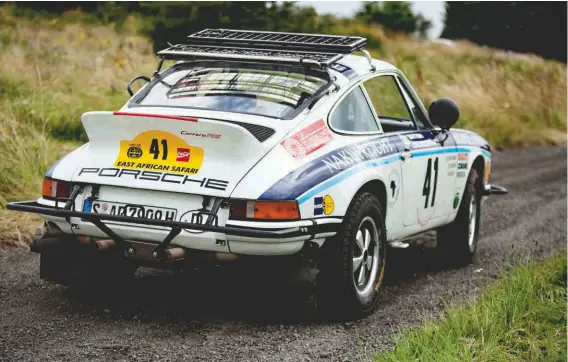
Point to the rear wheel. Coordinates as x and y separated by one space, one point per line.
457 241
353 262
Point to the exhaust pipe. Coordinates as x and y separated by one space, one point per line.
104 244
169 254
175 253
38 245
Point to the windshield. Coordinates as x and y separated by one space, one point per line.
269 93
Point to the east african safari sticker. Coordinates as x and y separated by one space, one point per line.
159 151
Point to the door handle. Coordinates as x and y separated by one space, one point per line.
406 155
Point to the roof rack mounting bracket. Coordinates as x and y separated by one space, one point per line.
369 59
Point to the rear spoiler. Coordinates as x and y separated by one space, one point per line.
175 226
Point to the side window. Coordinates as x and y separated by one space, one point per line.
419 116
353 114
389 104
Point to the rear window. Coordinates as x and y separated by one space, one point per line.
269 93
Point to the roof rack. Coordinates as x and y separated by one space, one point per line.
265 46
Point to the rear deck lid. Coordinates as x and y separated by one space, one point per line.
171 152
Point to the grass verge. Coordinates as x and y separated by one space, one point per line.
522 317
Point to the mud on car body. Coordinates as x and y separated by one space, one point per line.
265 144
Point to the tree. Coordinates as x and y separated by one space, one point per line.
529 27
394 15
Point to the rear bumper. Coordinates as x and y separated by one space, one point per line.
256 238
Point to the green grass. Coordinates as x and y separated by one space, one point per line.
522 317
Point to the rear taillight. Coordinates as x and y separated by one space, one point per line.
54 188
264 210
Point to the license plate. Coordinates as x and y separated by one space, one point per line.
130 210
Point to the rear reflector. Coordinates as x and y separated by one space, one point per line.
264 210
53 188
179 118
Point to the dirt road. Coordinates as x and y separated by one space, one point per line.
227 316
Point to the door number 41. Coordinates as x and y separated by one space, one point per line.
428 182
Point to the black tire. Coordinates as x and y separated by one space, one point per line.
454 243
338 294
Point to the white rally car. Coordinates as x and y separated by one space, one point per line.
266 144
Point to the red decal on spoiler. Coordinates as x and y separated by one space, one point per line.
308 140
180 118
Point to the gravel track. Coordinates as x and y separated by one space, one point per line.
224 315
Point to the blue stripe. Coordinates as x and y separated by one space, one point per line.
376 163
342 176
439 151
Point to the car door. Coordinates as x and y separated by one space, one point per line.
427 176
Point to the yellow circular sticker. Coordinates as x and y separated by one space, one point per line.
159 151
328 205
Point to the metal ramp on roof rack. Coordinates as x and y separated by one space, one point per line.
265 46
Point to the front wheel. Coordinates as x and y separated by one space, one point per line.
457 241
353 262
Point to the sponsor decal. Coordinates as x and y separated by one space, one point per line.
461 174
463 156
134 151
424 144
202 135
308 140
415 136
174 178
348 72
462 165
416 140
183 154
349 156
154 150
323 205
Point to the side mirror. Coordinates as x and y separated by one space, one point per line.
444 113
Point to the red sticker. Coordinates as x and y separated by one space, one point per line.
308 140
182 155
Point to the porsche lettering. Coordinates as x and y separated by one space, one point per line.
156 176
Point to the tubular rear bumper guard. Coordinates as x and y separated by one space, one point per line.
176 226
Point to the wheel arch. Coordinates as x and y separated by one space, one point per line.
378 188
479 166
